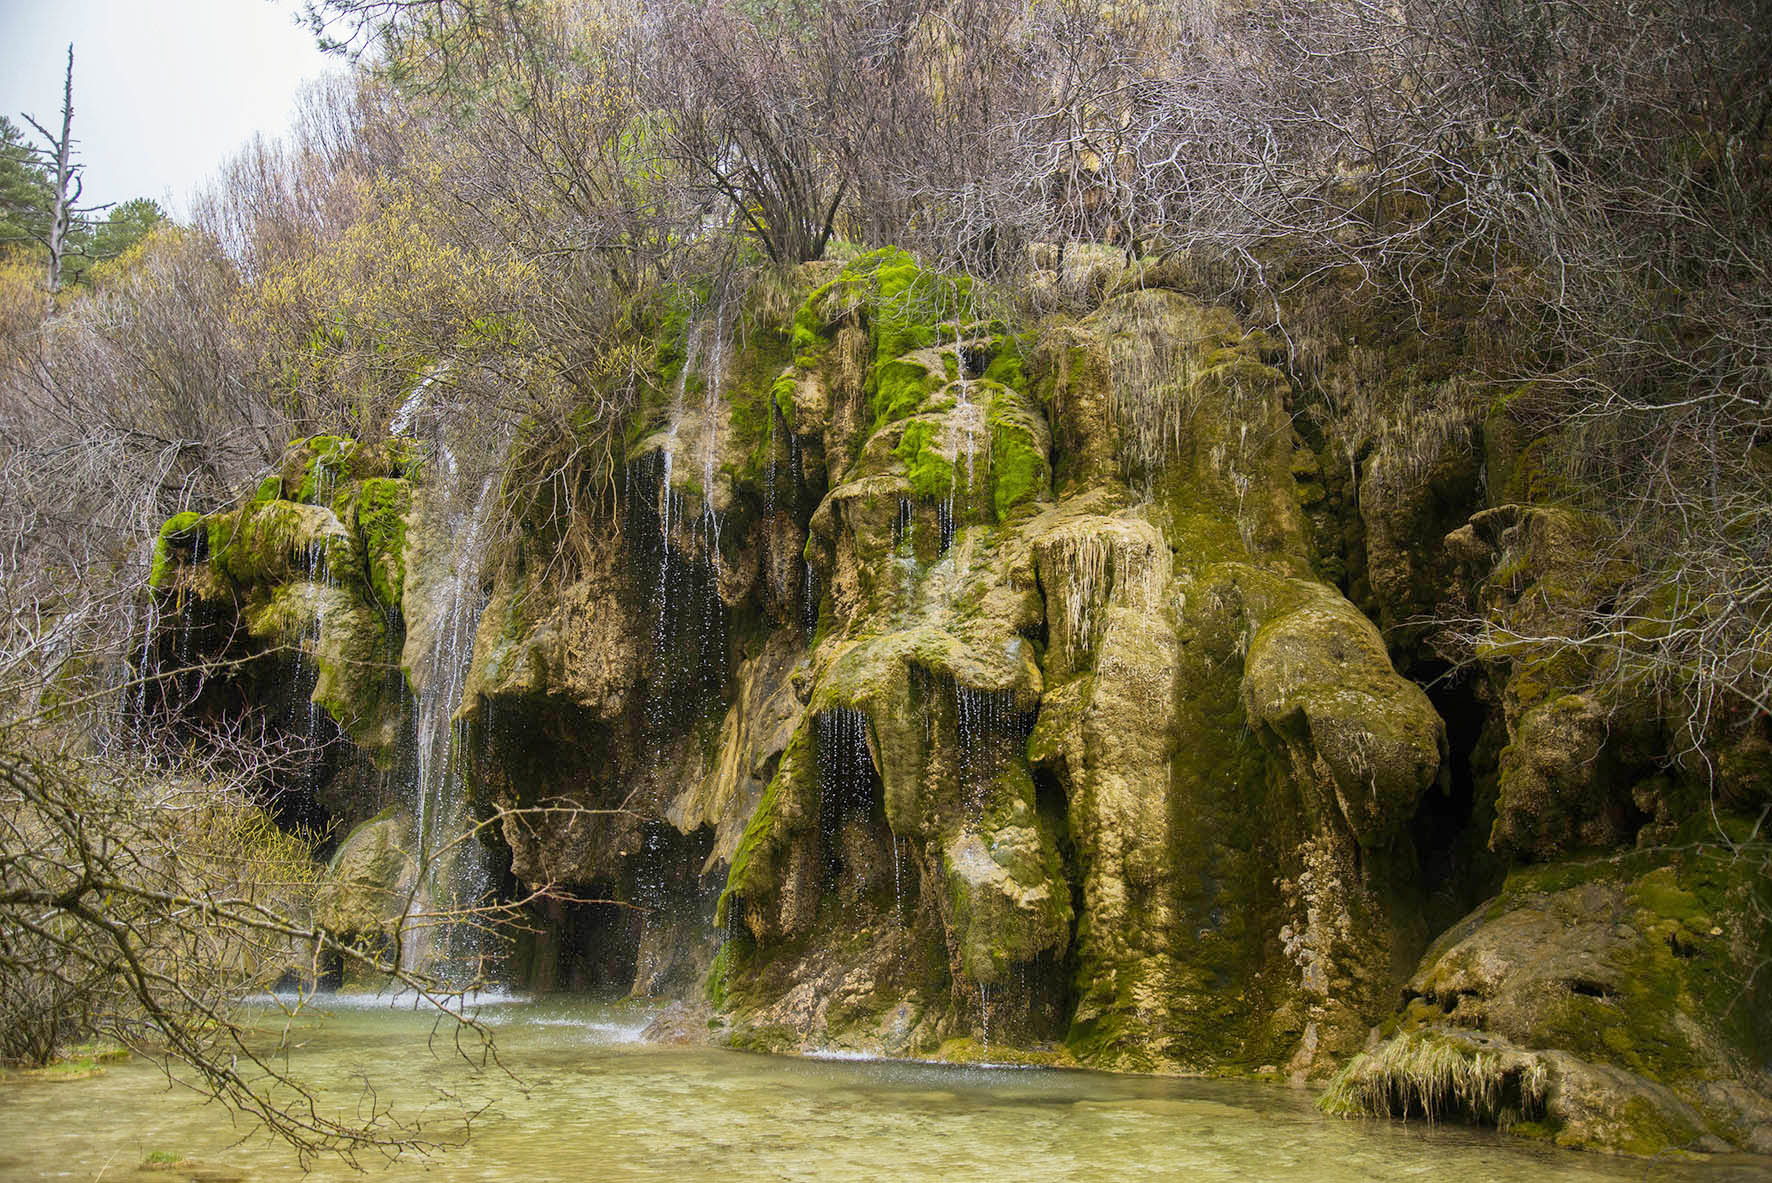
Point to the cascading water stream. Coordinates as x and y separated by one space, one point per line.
965 414
147 667
713 376
454 872
985 723
442 934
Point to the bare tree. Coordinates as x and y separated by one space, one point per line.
65 213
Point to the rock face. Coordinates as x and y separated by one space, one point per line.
940 688
1141 781
296 593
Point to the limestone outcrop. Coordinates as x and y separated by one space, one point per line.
1078 691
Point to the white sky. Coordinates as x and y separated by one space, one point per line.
164 90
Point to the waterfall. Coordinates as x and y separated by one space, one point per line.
845 766
809 596
147 664
965 415
319 578
689 619
452 863
443 934
713 374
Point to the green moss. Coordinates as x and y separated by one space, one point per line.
781 392
177 531
930 474
771 1039
1019 471
328 459
899 388
750 394
382 507
718 972
1651 1130
270 542
904 309
269 489
671 337
752 872
1006 364
810 328
405 457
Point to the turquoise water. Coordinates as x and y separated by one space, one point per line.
580 1098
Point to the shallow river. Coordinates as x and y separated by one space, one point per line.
589 1102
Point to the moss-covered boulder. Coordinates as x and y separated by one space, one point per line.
302 581
1608 1004
372 887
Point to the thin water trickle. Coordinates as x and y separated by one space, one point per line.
845 767
769 467
965 414
897 885
147 667
809 602
988 725
984 1017
711 411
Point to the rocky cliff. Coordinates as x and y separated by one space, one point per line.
1069 687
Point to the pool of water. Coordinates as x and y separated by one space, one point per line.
581 1098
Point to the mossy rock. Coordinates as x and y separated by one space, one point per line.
1628 985
262 544
381 511
179 543
1320 681
346 640
371 881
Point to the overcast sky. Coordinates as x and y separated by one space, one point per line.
164 90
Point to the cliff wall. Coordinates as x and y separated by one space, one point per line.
1085 689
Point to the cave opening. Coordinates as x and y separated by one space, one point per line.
642 931
588 942
1450 829
1054 996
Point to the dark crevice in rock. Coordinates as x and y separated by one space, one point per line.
857 853
1450 829
588 944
